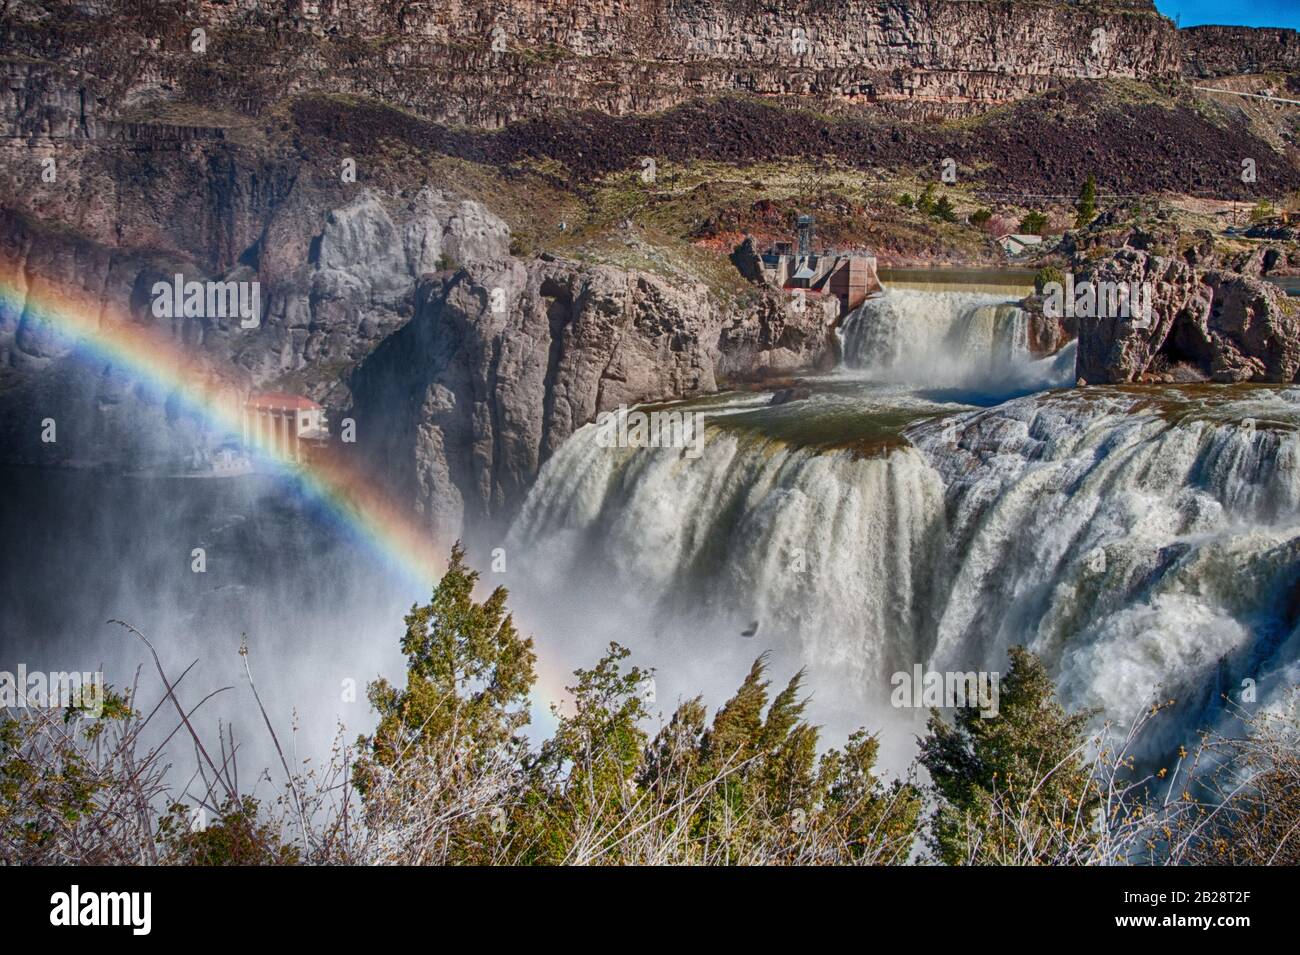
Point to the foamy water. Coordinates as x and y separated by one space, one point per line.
1144 542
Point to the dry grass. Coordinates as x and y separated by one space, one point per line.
78 791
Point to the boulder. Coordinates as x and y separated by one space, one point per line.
784 396
1113 349
747 261
1217 326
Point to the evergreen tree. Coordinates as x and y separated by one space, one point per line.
876 823
1087 206
1014 780
926 202
1033 223
1047 275
468 676
580 788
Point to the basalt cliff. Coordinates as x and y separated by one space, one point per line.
486 64
448 210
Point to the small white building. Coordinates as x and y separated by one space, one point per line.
284 424
228 462
1014 243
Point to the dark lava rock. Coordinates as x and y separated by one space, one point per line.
787 395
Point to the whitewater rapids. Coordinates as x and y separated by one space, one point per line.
1145 542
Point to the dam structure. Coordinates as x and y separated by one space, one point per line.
797 267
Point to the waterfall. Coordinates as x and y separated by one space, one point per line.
1141 542
1133 542
968 339
1139 546
825 547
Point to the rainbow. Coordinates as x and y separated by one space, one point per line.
388 530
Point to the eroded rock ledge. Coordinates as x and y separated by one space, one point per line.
1205 326
502 363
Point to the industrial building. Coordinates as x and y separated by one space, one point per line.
849 276
287 427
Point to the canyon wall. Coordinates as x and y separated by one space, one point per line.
467 62
1227 51
464 367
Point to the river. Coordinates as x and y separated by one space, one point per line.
940 497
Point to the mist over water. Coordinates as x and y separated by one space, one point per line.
939 498
317 609
1144 542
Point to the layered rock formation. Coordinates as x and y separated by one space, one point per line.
333 282
1212 326
1229 51
464 61
502 363
1244 329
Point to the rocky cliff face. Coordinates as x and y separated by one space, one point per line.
1228 51
1238 328
332 285
332 282
1213 326
503 362
465 61
471 366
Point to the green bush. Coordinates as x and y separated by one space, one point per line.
1262 211
1046 275
1033 223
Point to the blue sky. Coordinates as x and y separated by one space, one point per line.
1248 13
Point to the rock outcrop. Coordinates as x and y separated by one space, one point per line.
332 284
472 365
1212 326
470 62
1244 329
1046 334
502 363
1118 349
334 296
1229 51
